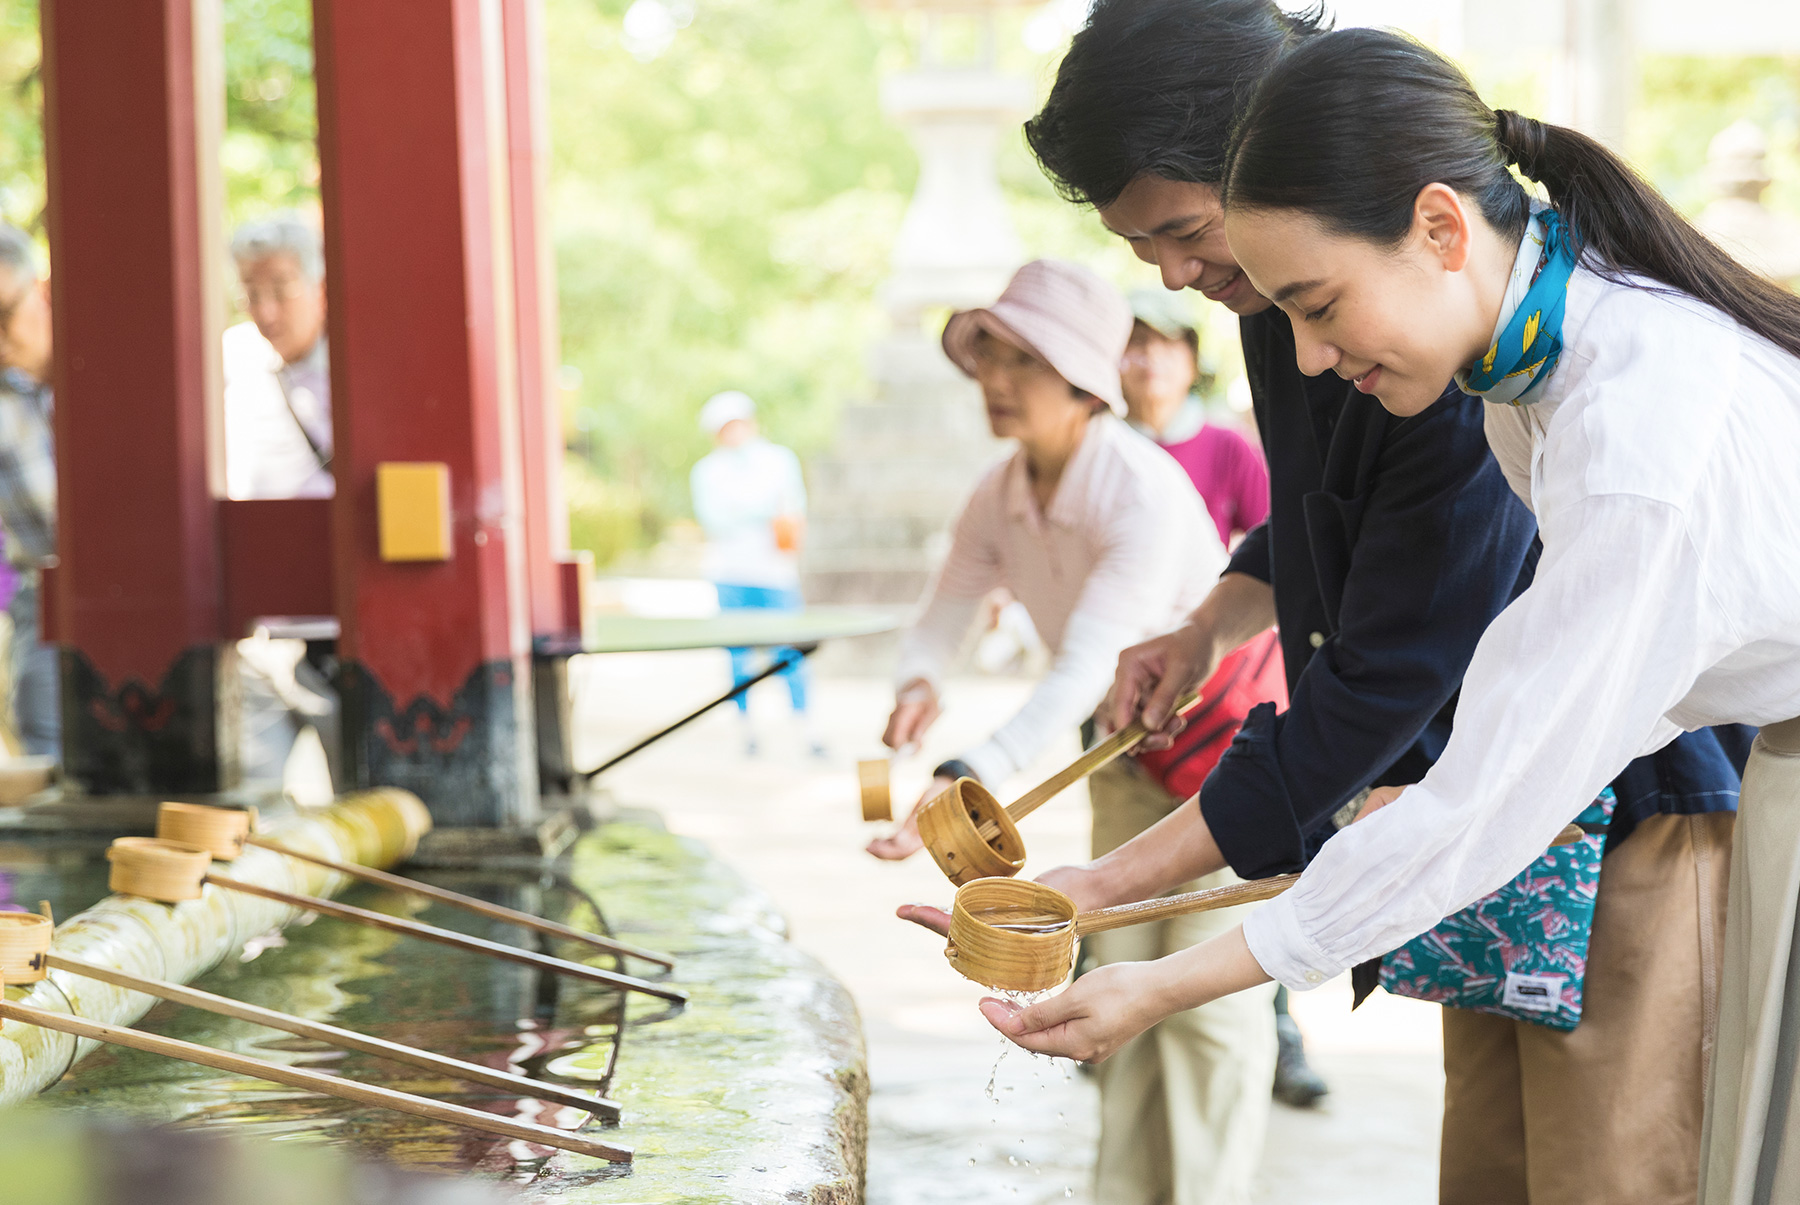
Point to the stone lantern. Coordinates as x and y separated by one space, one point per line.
883 497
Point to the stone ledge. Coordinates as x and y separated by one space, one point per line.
758 1091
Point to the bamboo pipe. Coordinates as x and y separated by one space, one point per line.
456 899
171 871
312 1081
460 941
970 836
334 1035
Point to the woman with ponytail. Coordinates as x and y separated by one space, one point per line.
1644 400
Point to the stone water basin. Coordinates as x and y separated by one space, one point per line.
755 1091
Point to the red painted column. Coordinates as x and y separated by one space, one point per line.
133 228
412 142
534 266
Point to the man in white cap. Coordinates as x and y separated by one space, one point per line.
750 500
1101 537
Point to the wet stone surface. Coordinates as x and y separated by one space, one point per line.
754 1092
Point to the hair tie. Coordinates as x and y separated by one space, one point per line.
1521 140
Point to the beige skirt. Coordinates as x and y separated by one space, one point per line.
1752 1138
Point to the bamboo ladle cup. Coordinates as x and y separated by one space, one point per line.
171 871
226 831
970 836
26 957
311 1081
872 786
1019 936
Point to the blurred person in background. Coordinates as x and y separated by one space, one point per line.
1163 400
28 484
750 499
277 367
1103 540
278 445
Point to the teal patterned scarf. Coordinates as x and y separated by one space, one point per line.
1528 340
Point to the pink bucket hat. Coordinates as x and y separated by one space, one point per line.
1060 312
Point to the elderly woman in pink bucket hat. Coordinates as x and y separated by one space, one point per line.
1084 523
1101 536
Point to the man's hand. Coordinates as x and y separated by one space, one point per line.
1379 797
1151 677
905 841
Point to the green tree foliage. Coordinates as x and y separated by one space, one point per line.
723 207
21 117
270 152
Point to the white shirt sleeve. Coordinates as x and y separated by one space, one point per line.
1569 684
1139 573
970 570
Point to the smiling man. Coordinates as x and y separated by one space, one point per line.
1392 543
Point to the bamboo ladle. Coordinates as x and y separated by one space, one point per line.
970 836
226 831
312 1081
1019 936
25 958
171 872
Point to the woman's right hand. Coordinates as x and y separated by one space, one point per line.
1151 677
915 710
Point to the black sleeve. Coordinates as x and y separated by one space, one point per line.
1251 556
1436 549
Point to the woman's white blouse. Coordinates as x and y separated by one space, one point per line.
1664 466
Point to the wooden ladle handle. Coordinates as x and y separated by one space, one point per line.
1120 915
1121 742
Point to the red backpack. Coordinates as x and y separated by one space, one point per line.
1250 674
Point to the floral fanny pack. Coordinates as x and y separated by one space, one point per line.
1522 951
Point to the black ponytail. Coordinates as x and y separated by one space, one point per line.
1352 125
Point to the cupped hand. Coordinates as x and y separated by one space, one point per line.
1151 677
1091 1019
905 841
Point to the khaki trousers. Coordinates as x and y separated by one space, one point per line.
1753 1118
1611 1112
1185 1105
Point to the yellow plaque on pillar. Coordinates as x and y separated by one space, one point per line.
413 501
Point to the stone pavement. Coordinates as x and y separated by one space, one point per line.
789 822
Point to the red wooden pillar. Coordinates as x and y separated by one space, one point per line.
540 424
553 578
129 110
412 142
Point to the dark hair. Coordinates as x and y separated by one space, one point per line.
1350 127
1152 87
